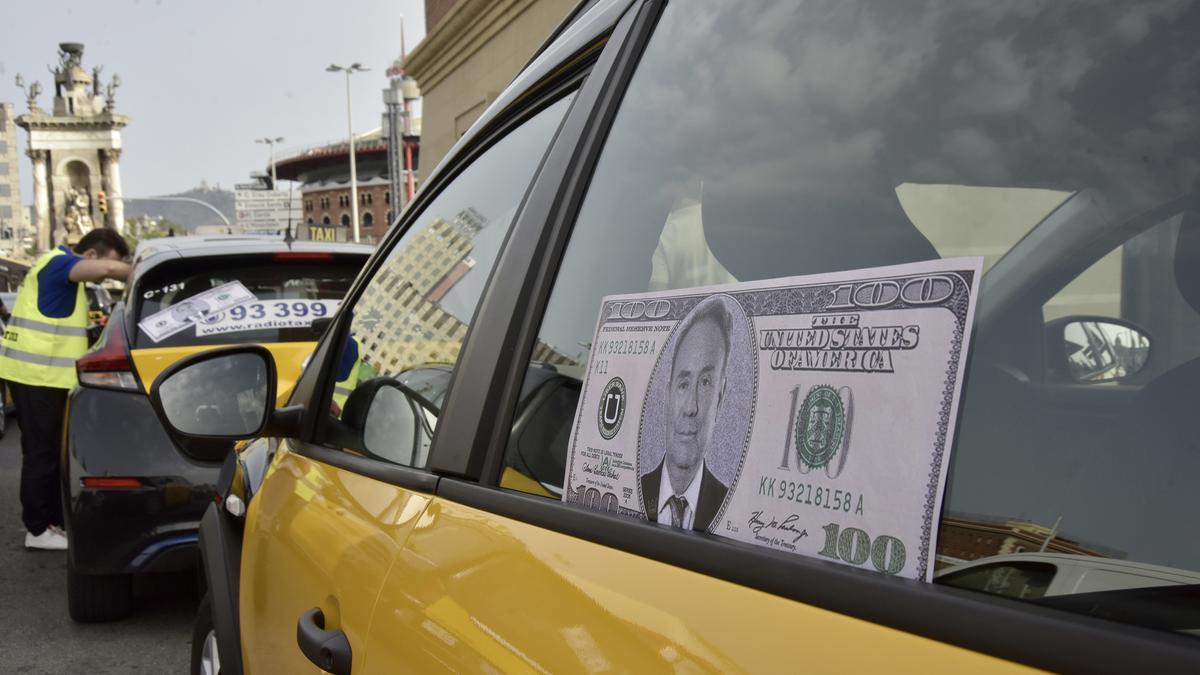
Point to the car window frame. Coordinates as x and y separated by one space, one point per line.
315 385
512 308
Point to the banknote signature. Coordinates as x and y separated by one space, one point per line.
605 469
772 526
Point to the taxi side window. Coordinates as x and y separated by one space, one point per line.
1077 437
409 323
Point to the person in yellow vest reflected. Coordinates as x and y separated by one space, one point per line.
352 369
44 336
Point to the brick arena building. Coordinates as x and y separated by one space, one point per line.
324 175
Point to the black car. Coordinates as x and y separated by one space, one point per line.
133 496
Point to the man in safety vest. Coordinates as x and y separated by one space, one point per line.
45 334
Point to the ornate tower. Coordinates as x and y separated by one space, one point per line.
76 152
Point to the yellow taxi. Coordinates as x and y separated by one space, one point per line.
133 495
410 507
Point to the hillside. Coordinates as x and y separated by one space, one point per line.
190 216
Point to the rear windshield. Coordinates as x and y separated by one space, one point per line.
209 301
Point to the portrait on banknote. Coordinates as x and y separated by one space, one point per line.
812 415
697 417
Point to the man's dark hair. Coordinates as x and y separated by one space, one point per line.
103 241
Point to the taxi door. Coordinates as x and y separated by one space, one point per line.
473 591
331 516
318 537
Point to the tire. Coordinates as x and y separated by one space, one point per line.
94 598
206 659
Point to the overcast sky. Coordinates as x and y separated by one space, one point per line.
201 79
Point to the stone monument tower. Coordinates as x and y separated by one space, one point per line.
76 152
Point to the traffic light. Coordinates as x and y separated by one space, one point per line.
102 201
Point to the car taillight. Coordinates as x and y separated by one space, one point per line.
108 364
110 482
307 256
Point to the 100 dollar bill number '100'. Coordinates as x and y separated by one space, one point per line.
854 546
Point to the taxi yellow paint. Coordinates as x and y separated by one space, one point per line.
423 584
515 480
472 591
316 536
289 360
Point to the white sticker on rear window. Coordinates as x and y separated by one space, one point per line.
184 314
267 314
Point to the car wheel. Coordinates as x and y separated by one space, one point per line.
206 658
93 598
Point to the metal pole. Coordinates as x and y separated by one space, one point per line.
353 162
274 181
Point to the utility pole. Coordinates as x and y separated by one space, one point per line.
349 70
271 144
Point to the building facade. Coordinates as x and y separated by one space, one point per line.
323 172
471 51
12 216
400 322
963 538
76 152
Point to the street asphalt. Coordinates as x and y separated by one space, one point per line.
36 634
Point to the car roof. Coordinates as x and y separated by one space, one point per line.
221 244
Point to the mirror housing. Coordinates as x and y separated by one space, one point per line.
218 396
384 419
1095 349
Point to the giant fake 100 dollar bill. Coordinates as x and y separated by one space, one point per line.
813 415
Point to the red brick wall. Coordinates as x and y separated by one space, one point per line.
378 206
435 10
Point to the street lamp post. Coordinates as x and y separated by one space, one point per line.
352 68
271 144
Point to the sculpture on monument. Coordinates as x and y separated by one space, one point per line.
110 92
75 148
70 56
77 220
32 93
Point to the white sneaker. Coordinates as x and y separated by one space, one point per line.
53 539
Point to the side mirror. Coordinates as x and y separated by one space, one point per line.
1091 349
385 419
225 394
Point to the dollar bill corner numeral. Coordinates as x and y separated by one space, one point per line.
612 408
590 497
854 546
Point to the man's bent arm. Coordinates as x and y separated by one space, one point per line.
99 270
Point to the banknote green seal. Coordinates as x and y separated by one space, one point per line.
820 426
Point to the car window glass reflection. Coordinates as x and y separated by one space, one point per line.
756 145
224 396
410 322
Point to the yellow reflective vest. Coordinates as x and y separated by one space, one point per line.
41 350
343 387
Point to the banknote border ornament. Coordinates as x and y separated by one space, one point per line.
604 394
818 459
